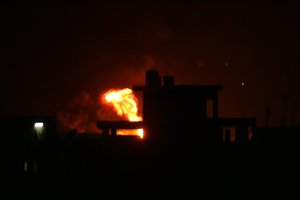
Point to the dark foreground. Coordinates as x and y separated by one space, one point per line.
132 168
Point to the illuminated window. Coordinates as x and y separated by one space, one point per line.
229 134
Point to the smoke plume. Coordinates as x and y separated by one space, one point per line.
79 114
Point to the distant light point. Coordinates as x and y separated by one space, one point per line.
243 83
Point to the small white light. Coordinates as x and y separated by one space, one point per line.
38 125
39 129
243 83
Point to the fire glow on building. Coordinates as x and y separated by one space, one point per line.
125 104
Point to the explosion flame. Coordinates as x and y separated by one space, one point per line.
125 104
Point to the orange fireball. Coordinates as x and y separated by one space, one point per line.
124 104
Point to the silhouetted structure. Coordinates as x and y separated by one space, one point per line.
26 142
109 128
284 136
185 138
184 111
172 112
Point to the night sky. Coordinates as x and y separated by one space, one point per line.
52 54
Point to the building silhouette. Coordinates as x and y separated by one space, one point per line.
188 148
178 112
27 143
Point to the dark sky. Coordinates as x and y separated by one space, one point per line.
51 53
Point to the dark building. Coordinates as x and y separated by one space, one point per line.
281 136
188 147
26 142
183 132
178 112
185 111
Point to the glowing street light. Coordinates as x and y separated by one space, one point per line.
39 128
38 125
